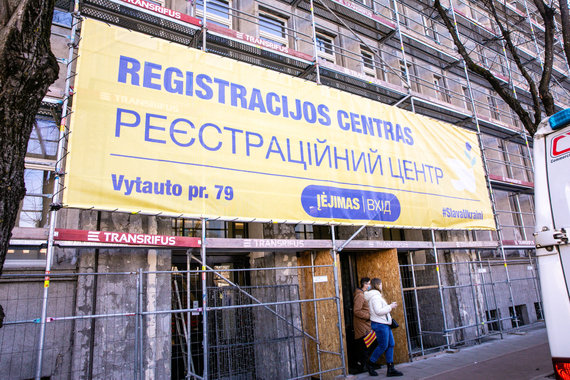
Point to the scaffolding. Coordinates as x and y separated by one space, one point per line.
480 285
377 49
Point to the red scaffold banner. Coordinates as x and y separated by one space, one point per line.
125 238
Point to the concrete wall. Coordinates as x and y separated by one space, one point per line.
101 347
105 347
275 286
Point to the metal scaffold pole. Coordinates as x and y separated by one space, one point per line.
415 285
405 307
314 30
486 168
58 185
204 28
495 298
404 59
190 364
137 365
139 333
337 299
204 300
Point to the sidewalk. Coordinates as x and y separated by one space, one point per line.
514 357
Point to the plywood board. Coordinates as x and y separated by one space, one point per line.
327 319
384 265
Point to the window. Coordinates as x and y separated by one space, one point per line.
368 64
395 234
325 47
473 12
493 108
503 65
62 18
538 309
440 87
526 205
519 315
495 154
516 214
401 13
39 179
519 164
467 98
480 51
411 73
34 209
26 253
273 28
214 228
309 232
43 139
218 12
492 320
430 28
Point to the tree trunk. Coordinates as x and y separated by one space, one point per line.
27 68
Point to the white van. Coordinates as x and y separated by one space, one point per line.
552 207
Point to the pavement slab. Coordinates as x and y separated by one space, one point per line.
524 356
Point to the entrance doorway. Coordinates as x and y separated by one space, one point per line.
384 265
350 282
225 326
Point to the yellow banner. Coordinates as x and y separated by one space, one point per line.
160 128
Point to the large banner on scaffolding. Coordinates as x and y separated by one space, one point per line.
161 128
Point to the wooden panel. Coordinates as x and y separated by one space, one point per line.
384 265
327 315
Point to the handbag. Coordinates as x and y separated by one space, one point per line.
394 324
369 338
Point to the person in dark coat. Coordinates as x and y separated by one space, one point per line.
362 324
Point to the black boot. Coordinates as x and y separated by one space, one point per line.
370 368
392 372
376 366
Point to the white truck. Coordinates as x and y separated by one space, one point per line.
552 208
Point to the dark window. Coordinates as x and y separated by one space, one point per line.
214 228
34 209
309 231
519 315
325 47
538 309
492 320
273 28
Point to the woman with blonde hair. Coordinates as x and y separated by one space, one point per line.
380 321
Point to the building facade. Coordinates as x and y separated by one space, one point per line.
279 292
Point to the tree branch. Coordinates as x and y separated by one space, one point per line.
507 38
495 83
547 14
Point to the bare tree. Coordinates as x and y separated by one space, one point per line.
27 68
542 99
